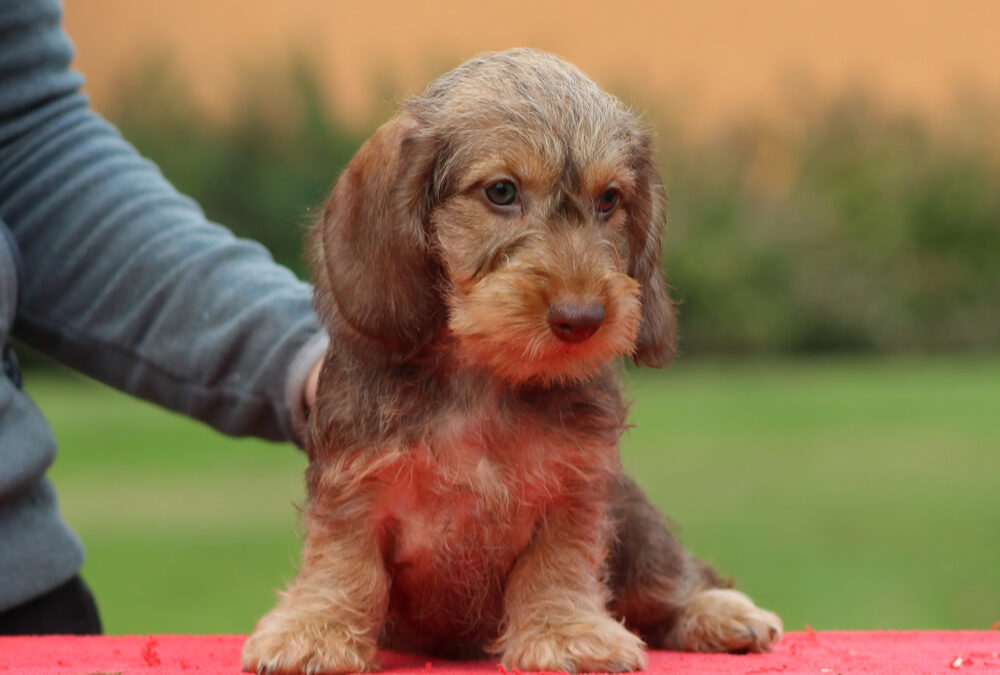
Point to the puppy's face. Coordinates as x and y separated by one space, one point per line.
533 242
515 206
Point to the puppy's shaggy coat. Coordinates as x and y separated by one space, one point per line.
482 264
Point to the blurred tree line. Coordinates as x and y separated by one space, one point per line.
844 227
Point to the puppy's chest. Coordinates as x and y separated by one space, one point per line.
469 493
454 509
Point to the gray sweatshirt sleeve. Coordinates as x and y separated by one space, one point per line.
124 279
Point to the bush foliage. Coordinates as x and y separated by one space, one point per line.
850 229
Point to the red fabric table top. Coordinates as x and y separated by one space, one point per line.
802 652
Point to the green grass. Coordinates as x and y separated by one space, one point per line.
843 494
187 531
847 493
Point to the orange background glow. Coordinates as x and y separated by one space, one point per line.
704 61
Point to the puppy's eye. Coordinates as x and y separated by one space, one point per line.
607 201
501 193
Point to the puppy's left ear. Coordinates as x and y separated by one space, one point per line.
656 344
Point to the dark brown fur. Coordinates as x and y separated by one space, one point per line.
466 495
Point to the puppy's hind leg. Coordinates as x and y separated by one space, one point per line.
329 620
674 600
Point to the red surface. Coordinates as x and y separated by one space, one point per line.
809 652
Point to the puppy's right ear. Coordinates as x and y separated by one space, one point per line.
370 248
656 344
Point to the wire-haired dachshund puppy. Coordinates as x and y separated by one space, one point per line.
483 263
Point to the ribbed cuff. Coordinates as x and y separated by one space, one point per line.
311 352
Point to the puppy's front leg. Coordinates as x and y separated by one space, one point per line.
555 600
329 620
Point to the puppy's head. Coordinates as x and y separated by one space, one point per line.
514 208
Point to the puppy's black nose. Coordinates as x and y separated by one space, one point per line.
575 321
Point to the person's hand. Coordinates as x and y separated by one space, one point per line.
309 391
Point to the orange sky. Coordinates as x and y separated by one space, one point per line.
705 60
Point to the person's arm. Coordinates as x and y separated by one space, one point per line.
124 279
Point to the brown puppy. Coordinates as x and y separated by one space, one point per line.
484 261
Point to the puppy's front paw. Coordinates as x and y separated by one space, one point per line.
586 643
310 650
723 620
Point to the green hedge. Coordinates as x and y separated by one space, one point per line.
851 229
854 229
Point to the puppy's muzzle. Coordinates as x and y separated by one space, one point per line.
575 321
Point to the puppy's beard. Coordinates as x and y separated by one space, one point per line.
501 323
